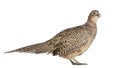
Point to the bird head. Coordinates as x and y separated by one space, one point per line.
93 16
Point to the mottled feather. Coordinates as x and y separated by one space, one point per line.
68 43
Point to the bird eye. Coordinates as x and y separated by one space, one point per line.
93 13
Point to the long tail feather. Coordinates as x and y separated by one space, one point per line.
36 48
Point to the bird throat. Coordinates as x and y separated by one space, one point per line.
93 19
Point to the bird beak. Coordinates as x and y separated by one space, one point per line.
99 15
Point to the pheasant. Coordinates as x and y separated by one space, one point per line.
69 43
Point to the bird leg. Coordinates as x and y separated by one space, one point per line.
75 62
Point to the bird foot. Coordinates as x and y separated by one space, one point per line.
75 62
80 64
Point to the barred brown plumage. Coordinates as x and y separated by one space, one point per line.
68 43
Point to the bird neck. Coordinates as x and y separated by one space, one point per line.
91 24
92 19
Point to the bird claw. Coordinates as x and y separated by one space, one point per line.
79 63
75 62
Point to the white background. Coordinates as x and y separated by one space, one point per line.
25 22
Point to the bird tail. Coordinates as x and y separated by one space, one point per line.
35 48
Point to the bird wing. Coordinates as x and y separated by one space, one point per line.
70 40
